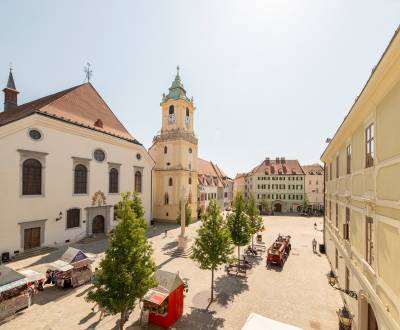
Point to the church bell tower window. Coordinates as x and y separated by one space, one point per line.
171 115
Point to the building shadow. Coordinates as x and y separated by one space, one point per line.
87 318
52 294
227 287
199 319
170 245
159 229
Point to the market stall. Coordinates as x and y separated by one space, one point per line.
71 270
163 305
16 289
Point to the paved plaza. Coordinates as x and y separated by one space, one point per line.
299 294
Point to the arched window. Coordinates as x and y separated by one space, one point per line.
166 198
165 149
138 182
190 150
31 177
171 110
80 179
187 112
113 181
73 218
190 180
170 182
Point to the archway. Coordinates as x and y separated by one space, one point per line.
98 224
372 323
278 207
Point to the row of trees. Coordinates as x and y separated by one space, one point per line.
213 246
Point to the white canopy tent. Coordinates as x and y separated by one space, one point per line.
258 322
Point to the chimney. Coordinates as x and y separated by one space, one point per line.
283 160
10 94
267 161
277 160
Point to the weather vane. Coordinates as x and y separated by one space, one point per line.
88 72
11 66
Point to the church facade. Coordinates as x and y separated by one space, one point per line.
65 160
174 151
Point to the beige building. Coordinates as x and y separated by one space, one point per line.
65 159
362 220
314 185
174 151
239 184
278 181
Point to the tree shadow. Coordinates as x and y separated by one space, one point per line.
159 229
52 294
227 287
200 319
87 318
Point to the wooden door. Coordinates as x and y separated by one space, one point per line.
372 324
98 224
31 238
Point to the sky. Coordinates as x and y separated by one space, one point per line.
268 78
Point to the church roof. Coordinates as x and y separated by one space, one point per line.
79 105
176 91
10 82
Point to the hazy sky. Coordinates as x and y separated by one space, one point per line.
269 78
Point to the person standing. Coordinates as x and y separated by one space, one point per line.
314 245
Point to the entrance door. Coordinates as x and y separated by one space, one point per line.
372 324
31 238
98 224
278 207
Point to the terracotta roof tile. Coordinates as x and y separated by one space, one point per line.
313 169
80 105
278 167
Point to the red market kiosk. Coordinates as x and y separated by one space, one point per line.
165 302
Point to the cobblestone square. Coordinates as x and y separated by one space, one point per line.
299 294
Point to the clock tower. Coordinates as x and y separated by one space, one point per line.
174 151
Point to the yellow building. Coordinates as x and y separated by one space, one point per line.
362 195
174 151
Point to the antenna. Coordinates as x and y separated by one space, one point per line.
88 72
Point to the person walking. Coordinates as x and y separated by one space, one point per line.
314 245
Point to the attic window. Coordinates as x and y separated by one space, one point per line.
98 123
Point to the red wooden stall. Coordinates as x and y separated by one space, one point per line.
164 303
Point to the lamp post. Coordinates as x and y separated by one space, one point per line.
345 318
332 279
182 239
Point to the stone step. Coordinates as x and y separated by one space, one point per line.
90 239
180 253
33 252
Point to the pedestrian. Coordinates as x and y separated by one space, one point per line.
314 245
165 232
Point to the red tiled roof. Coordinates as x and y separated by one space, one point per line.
208 173
313 169
80 105
278 167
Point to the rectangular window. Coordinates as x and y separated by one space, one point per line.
337 215
369 146
348 159
347 280
346 225
330 210
337 167
73 218
336 259
369 248
330 171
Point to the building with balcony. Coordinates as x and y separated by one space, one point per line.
362 198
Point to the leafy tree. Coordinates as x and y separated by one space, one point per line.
265 205
306 204
212 247
188 215
126 272
135 203
255 220
238 224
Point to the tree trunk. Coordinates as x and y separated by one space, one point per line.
212 285
252 242
122 320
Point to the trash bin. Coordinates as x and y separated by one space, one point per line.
322 248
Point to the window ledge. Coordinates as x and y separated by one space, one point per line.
117 193
32 196
72 228
77 195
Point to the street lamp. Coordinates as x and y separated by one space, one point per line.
345 318
332 279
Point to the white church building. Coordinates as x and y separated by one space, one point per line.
65 159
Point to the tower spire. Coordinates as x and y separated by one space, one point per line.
10 93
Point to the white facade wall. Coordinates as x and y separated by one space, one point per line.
60 142
314 188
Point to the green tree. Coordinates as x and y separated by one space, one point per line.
255 220
238 224
188 215
265 205
212 246
306 203
135 203
126 272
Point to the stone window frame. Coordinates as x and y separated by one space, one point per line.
138 169
40 157
117 166
32 224
85 162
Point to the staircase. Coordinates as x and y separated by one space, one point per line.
180 253
33 253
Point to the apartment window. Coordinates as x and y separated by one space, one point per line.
369 249
369 147
346 225
337 215
348 159
337 167
73 218
336 259
330 171
347 280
